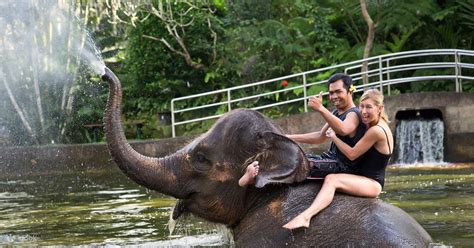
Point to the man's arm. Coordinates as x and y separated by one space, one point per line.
343 128
311 138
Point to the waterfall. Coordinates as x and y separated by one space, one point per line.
420 141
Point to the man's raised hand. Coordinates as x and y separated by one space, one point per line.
316 102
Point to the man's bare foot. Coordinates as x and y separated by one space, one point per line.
297 222
250 173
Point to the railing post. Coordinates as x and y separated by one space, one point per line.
173 128
229 107
305 93
388 77
457 72
380 74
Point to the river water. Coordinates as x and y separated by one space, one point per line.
100 206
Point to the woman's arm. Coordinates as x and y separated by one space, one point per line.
368 140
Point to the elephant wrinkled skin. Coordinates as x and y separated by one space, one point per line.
204 177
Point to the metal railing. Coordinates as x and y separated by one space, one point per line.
383 71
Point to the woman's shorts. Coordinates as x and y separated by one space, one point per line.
321 166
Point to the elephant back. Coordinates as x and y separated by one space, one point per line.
348 221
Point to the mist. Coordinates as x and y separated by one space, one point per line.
47 56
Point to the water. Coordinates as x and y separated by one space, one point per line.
420 141
89 207
440 198
100 206
48 61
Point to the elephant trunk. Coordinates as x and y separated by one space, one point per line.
153 173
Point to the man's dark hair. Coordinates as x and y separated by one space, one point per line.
346 79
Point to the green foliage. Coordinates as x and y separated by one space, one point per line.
439 85
403 15
258 40
155 75
275 47
398 41
466 10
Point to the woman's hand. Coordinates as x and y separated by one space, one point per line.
316 102
330 133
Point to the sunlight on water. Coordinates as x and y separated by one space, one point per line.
12 239
196 240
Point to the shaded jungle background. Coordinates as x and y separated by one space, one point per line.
166 49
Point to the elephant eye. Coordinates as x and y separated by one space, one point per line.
200 158
260 141
200 162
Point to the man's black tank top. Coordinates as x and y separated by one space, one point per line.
334 152
374 163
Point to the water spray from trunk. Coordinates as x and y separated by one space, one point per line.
45 52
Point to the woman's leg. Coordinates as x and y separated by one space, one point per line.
347 183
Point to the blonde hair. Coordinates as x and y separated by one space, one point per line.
377 97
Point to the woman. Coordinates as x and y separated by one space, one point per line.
376 144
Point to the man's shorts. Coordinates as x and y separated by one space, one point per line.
321 166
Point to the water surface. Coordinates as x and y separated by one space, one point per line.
100 206
439 197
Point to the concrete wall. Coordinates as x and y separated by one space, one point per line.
457 110
458 115
38 159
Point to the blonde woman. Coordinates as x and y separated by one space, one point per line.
376 146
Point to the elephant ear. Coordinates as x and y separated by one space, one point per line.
281 160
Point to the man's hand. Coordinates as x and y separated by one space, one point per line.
316 102
330 133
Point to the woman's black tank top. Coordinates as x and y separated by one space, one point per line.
374 163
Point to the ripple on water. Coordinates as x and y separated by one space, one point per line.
127 208
208 240
14 195
117 191
131 196
16 238
17 182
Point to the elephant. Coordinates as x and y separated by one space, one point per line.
204 174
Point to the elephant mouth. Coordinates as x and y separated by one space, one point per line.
189 196
179 209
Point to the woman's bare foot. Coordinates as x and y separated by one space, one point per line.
250 173
297 222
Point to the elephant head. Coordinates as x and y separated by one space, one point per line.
205 173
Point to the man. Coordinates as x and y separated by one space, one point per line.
346 122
